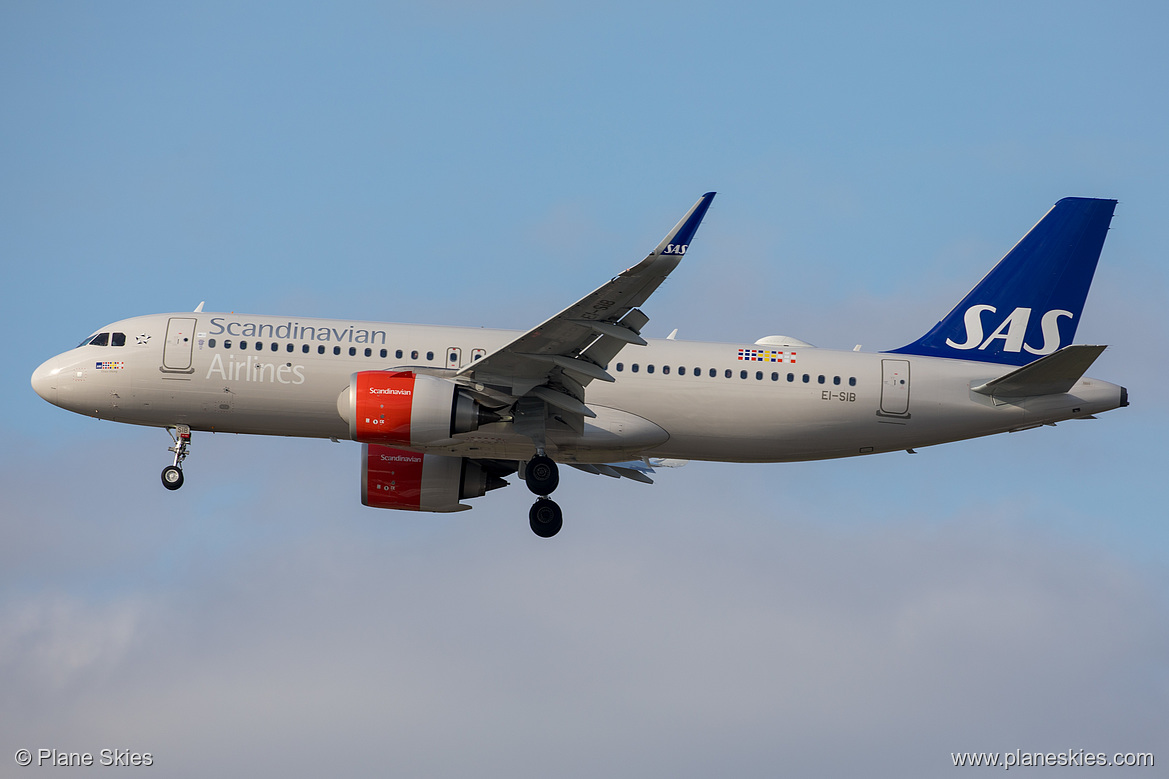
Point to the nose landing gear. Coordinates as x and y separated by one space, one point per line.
172 475
542 477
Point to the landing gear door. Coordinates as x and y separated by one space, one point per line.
180 341
894 388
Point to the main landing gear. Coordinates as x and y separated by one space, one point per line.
172 475
542 477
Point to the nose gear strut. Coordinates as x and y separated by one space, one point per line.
172 475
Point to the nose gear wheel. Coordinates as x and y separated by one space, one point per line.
172 477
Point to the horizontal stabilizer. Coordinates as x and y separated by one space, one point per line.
1056 373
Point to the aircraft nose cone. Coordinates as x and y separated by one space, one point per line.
44 381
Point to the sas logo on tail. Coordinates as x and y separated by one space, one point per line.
1012 331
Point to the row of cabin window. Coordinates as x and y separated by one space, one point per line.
305 348
728 373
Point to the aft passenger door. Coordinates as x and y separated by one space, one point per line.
176 351
894 388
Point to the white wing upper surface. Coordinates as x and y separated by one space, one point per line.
557 359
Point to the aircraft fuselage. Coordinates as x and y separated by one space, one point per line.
735 402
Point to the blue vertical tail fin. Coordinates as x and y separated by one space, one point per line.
1029 305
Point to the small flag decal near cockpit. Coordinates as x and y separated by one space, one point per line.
766 355
110 365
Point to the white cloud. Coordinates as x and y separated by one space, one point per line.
669 631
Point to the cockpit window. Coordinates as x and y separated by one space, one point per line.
101 339
118 339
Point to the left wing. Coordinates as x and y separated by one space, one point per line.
637 470
552 364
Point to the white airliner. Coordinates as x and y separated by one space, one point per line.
444 413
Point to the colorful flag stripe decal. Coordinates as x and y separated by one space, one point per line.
766 355
110 365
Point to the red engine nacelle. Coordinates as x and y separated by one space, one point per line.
408 409
399 479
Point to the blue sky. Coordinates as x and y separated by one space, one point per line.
487 164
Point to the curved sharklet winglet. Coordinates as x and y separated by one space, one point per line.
678 239
1054 374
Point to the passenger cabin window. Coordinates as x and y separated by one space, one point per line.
633 367
414 355
384 353
666 369
211 343
276 347
727 373
620 367
852 381
304 349
649 369
368 352
398 354
430 355
320 350
243 344
336 350
352 351
227 344
714 373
